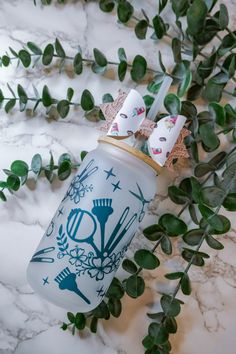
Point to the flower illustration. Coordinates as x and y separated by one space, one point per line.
77 256
100 267
77 189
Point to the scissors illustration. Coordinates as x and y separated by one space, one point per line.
39 256
144 201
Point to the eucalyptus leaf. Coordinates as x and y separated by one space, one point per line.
135 286
141 29
146 259
87 100
196 17
139 68
172 104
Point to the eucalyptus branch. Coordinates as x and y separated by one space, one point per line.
138 67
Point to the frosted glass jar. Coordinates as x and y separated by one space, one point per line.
88 236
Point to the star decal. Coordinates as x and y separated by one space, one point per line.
45 281
109 173
60 212
100 292
116 186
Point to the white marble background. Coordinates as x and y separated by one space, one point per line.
29 324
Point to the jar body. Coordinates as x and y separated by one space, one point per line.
88 236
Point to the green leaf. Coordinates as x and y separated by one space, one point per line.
177 195
158 317
78 64
2 196
153 232
193 237
206 66
161 62
227 44
19 168
185 284
124 11
83 154
212 196
115 307
139 68
34 48
87 100
122 69
159 26
141 29
22 94
80 321
64 326
223 17
13 182
101 311
115 289
106 5
176 49
100 58
107 98
208 136
46 97
64 170
218 113
64 157
10 105
36 164
174 276
220 78
63 108
194 92
70 93
122 55
5 60
185 84
170 324
135 286
146 259
158 333
172 104
129 266
71 317
93 324
230 202
173 225
213 243
202 169
148 342
59 49
48 54
180 7
162 5
148 100
166 245
212 219
24 57
170 306
196 17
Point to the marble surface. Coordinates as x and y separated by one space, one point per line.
29 324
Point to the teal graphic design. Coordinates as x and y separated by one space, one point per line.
78 189
66 281
100 292
45 281
109 173
116 186
39 256
81 227
144 201
50 229
60 212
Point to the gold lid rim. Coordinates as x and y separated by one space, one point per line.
140 155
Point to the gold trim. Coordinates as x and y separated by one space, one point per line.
140 155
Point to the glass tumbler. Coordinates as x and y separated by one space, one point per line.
91 230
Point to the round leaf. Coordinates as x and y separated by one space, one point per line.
122 69
146 259
141 29
25 57
115 307
78 64
106 5
64 170
139 68
87 100
170 306
208 136
19 168
173 225
129 266
48 54
135 286
153 232
196 17
193 237
230 202
124 11
80 321
100 58
158 333
63 108
172 104
13 182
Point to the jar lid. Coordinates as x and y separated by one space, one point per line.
138 154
